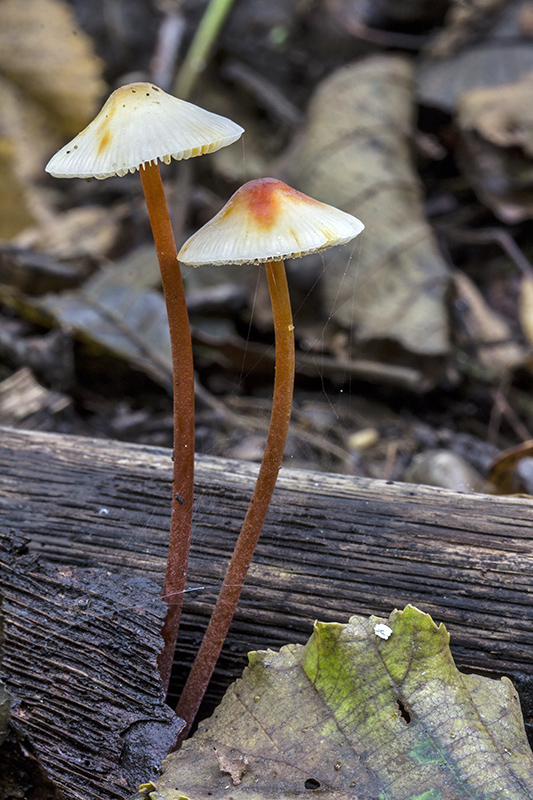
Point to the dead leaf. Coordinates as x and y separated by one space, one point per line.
50 85
497 147
525 307
505 473
85 232
44 52
482 332
117 310
372 709
502 179
354 154
464 21
15 214
440 82
503 115
500 57
37 273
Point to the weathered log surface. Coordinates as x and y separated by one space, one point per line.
332 545
79 659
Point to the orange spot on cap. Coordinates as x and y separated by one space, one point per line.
104 142
260 197
263 199
104 137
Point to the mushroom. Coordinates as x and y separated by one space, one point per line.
138 126
265 221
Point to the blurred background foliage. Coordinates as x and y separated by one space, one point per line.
414 346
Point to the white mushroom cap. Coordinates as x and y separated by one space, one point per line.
140 123
266 220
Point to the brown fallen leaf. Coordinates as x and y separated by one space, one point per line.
482 332
21 124
503 54
503 115
85 232
44 52
507 473
525 308
50 85
118 311
464 22
354 154
15 214
497 146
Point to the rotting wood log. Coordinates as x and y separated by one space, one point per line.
332 546
79 660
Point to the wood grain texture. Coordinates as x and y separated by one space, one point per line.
79 659
332 546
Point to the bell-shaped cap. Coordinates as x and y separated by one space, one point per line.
140 123
266 220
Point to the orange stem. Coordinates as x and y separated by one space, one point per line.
183 377
228 598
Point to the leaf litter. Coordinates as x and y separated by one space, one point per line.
378 315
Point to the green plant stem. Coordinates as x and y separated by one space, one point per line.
228 598
198 52
183 404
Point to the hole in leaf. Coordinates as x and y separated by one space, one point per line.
312 784
404 713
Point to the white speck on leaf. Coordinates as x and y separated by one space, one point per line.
383 631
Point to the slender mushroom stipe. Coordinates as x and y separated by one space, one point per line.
265 221
138 126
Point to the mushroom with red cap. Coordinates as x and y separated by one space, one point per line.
264 222
138 126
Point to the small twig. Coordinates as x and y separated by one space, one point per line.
502 408
235 420
405 41
493 236
267 96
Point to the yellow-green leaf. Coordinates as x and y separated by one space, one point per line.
371 710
